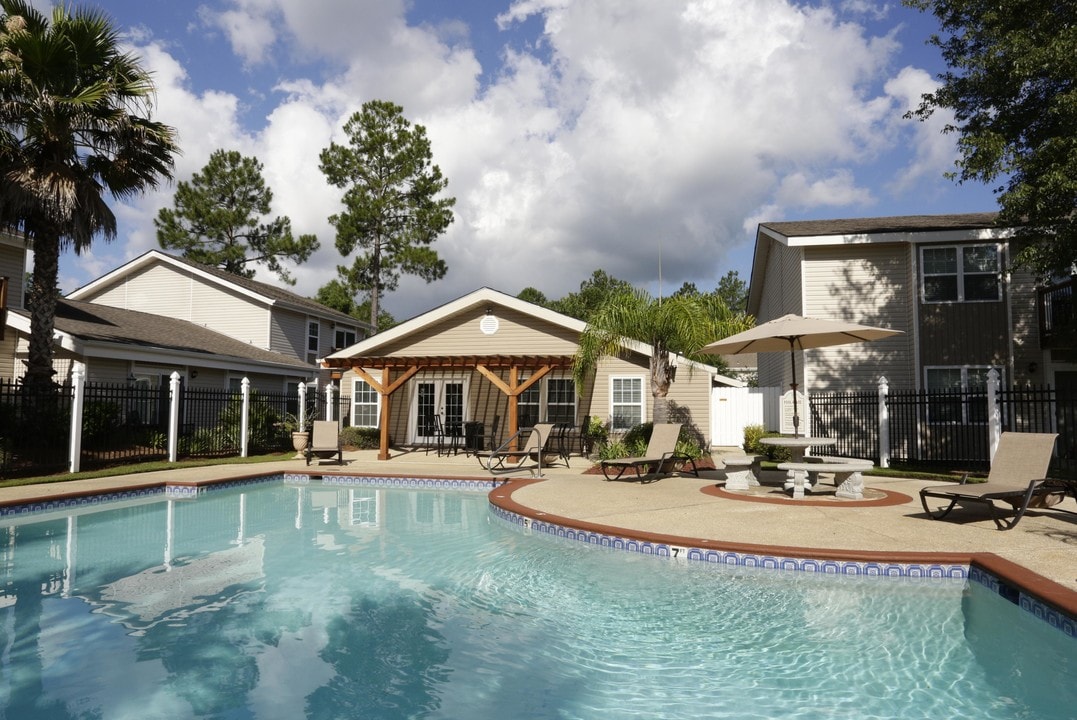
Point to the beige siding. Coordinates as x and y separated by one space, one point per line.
964 333
517 334
1028 357
781 296
865 284
13 267
165 290
7 356
106 370
288 333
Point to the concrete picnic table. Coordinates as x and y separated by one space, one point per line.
798 445
847 476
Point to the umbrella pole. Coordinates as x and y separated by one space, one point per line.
796 414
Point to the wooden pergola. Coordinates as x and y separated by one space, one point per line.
398 369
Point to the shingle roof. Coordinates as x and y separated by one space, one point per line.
900 223
93 322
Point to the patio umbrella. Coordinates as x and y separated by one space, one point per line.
794 332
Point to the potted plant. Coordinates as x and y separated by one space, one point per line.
300 435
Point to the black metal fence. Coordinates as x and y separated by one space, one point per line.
130 423
34 429
123 424
1044 409
851 418
944 428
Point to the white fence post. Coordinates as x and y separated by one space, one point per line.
245 417
994 416
884 422
173 416
78 389
302 406
330 406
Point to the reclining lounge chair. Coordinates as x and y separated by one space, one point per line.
662 457
518 454
1018 478
325 441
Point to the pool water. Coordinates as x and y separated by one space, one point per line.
280 601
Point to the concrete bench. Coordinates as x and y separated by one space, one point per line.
847 477
738 472
834 459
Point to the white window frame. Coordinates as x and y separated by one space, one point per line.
314 331
546 397
614 379
964 418
356 383
536 388
960 272
341 331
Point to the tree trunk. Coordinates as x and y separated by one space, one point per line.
375 290
660 381
42 305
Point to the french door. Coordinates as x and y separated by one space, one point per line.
441 397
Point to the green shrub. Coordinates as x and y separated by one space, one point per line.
635 441
752 435
612 450
100 420
361 438
771 453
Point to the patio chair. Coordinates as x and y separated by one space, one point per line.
436 431
512 456
662 457
490 440
1017 477
325 441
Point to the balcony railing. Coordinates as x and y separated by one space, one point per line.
1058 315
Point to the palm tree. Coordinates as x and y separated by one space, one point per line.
73 124
680 325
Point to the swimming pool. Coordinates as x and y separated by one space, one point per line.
271 600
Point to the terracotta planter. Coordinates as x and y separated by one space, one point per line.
300 440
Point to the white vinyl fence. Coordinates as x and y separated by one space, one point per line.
733 409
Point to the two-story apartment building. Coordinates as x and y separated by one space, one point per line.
946 281
212 327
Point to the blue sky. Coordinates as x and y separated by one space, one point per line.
575 134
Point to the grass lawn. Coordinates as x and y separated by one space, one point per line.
143 468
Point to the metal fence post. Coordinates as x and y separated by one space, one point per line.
994 417
244 422
884 423
330 406
173 415
78 396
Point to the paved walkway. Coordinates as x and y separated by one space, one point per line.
1043 542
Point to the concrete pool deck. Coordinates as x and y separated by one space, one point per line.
1040 554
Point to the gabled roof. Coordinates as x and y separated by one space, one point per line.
961 227
103 331
482 298
263 292
852 229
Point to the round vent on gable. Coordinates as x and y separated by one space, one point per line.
488 324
